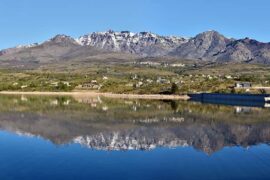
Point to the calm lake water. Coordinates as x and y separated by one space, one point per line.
50 137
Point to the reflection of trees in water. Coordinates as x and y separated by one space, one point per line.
154 124
174 105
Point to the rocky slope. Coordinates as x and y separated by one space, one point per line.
247 50
209 45
213 46
54 49
204 46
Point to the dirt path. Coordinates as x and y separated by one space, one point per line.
111 95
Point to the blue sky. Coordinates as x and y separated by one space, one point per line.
29 21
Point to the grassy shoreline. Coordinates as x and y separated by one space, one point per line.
110 95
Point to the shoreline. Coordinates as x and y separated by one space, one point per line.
109 95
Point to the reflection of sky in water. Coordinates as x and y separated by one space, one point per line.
95 137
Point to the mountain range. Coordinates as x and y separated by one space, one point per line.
206 46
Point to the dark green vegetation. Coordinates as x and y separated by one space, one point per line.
141 77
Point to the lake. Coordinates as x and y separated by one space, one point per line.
77 137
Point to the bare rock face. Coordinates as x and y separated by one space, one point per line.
61 40
237 51
204 46
246 50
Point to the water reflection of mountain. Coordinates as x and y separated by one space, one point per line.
111 124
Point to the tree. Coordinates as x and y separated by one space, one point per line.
62 87
174 88
262 91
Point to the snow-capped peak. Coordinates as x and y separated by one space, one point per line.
136 43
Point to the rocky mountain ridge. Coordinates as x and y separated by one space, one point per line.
206 46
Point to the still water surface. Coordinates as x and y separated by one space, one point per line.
50 137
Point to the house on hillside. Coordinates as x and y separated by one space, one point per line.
55 84
163 81
243 85
178 65
91 85
66 83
